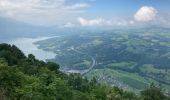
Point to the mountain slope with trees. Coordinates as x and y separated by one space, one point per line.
26 78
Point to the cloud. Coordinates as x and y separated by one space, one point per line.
41 11
104 22
145 14
78 6
92 22
69 24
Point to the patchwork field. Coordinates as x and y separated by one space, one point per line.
117 57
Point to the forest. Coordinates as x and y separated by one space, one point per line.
27 78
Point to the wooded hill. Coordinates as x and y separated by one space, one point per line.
26 78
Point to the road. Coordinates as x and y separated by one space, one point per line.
83 72
91 67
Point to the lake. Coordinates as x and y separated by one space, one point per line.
28 47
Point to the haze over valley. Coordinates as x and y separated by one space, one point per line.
85 46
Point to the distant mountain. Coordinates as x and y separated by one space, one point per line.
12 29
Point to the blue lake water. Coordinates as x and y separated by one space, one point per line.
28 47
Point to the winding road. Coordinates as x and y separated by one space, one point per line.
83 72
91 67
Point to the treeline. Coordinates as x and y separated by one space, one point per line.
26 78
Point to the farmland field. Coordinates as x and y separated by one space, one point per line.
116 57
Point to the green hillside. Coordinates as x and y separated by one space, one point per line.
118 57
26 78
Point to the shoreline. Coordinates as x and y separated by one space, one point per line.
28 46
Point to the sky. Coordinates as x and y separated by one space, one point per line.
91 13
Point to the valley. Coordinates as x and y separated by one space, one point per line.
117 57
84 49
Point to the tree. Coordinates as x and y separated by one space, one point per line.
2 94
31 57
153 93
10 79
53 66
26 78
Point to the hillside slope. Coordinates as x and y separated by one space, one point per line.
26 78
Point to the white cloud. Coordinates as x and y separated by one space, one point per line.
104 22
69 24
92 22
41 11
131 22
78 6
145 14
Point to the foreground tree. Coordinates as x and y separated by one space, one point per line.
26 78
153 93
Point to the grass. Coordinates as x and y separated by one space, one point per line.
137 84
129 65
133 80
149 68
167 44
97 42
85 62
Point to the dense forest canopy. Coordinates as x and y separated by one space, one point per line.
27 78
